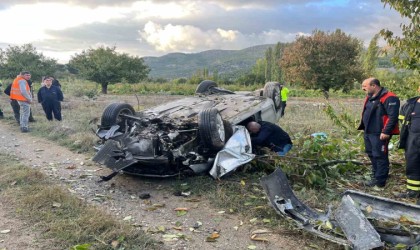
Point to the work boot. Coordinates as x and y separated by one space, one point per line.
409 194
373 183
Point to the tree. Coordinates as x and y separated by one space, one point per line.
105 66
370 60
407 48
323 61
278 53
259 70
269 63
15 59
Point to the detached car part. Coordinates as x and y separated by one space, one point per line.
236 152
366 220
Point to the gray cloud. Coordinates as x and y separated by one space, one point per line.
233 24
91 3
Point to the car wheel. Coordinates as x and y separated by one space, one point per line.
112 115
272 91
211 129
205 86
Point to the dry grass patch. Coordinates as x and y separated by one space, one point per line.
64 220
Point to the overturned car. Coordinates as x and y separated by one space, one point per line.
180 137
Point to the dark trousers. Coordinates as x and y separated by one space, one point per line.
283 107
412 157
377 150
52 108
16 111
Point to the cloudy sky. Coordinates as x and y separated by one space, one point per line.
59 29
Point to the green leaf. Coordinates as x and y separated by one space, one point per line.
400 246
266 220
181 213
81 247
253 220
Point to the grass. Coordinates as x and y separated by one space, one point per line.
241 192
63 220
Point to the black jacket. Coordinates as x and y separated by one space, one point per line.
375 112
270 135
50 95
56 83
405 116
8 89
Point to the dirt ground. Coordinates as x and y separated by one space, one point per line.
120 198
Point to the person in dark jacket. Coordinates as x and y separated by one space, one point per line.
410 142
1 111
50 97
55 82
15 104
379 122
266 134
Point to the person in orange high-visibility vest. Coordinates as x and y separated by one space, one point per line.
20 91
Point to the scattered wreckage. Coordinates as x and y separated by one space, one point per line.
206 133
188 136
361 221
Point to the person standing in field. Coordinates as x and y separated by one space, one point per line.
50 97
55 82
410 142
379 122
284 93
21 92
15 105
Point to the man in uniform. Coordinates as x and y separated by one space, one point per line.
379 122
284 93
410 142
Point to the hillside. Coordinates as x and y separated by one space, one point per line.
225 62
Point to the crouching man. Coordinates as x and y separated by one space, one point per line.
266 134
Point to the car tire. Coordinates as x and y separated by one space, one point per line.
272 91
111 115
205 86
211 129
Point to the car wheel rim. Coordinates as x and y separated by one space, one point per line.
123 112
220 127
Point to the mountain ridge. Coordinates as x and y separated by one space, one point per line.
226 63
